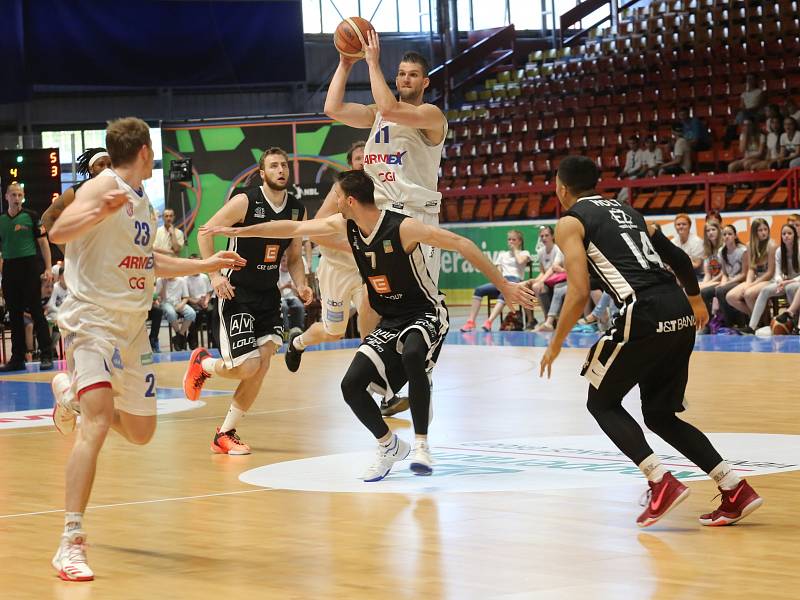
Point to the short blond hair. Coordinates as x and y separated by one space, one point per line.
16 185
125 137
268 152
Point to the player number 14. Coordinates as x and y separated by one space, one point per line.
647 254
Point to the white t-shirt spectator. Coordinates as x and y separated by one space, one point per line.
546 259
652 159
163 242
790 144
508 265
732 262
779 274
752 99
173 290
198 285
773 145
693 246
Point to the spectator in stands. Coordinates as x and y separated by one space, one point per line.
751 147
174 295
761 269
772 146
293 309
633 160
652 157
714 215
200 293
734 259
790 110
752 100
154 316
512 264
794 220
169 239
695 131
787 273
790 144
681 162
687 241
712 266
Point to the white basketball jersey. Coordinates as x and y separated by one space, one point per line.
404 165
112 265
342 260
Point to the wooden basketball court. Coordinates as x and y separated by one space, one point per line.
173 520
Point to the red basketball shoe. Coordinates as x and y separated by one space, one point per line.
662 497
736 505
195 375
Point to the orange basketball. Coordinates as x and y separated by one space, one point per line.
784 328
350 36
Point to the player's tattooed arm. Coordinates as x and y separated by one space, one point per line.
56 208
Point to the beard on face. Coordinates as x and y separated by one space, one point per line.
274 185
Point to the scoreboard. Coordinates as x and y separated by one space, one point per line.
38 171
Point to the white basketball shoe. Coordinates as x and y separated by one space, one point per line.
385 458
421 461
70 558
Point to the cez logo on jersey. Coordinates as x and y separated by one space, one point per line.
624 220
271 253
385 159
380 283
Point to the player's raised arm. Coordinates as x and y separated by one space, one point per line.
349 113
413 232
94 201
412 113
333 225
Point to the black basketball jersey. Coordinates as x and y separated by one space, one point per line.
263 255
399 285
618 247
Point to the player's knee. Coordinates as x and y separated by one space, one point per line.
142 436
352 385
248 368
658 421
414 359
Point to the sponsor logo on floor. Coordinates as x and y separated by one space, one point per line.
524 464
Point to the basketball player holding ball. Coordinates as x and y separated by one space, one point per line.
404 145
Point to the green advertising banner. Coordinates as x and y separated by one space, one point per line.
458 278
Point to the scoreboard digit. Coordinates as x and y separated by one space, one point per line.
37 170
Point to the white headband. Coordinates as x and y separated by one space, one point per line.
97 157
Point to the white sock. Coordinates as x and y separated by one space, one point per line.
209 365
231 419
73 521
652 468
725 477
298 343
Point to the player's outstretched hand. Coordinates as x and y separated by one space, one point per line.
306 294
700 311
218 230
518 293
112 201
548 358
224 259
222 286
372 50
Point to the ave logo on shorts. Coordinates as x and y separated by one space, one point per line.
525 464
241 323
